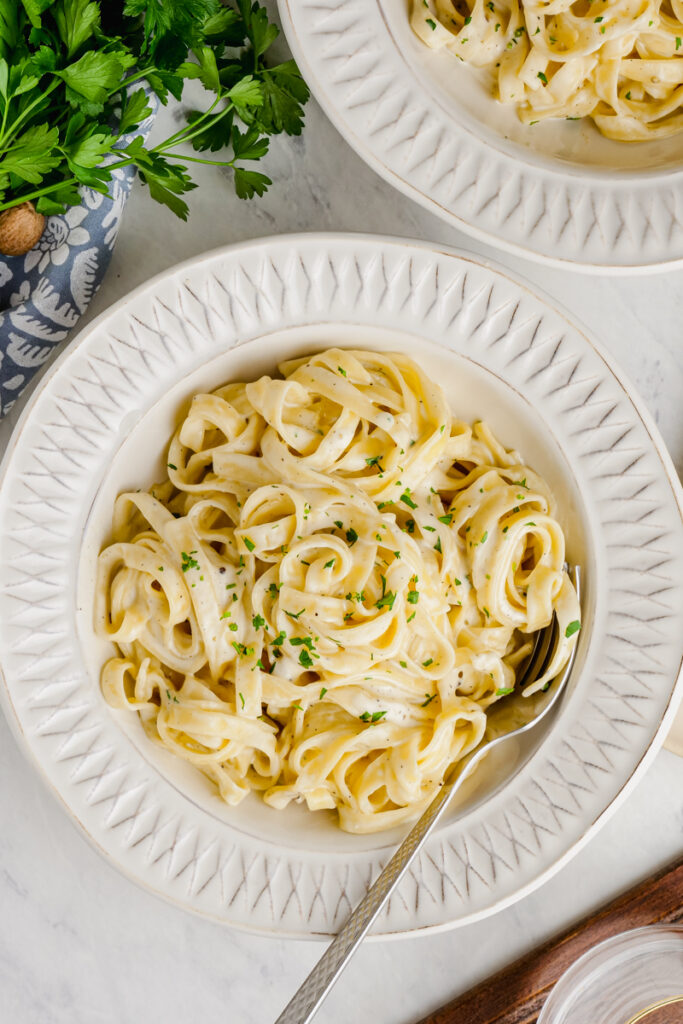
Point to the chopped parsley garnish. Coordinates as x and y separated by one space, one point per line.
487 613
279 639
407 500
437 546
323 692
170 464
328 565
248 543
403 664
302 641
242 651
295 615
411 617
188 562
226 614
410 525
258 622
338 523
388 597
172 696
431 23
484 537
429 697
372 717
273 589
305 659
342 371
428 662
447 519
297 707
351 536
504 691
233 627
542 77
375 461
241 697
572 628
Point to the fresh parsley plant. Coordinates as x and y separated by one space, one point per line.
73 75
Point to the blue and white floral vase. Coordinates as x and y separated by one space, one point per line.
44 293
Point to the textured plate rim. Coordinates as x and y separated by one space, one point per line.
327 239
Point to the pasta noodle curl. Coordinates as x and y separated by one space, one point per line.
334 582
616 61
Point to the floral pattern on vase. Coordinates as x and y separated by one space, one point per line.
44 293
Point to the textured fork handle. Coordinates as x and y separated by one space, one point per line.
302 1008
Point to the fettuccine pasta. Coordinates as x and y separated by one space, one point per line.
333 583
616 61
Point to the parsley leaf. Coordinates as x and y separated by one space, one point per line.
250 183
76 21
32 154
135 110
91 78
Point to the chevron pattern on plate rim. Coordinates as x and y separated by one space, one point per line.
122 365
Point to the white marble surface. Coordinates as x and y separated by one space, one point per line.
79 943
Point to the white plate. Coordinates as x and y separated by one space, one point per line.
558 192
99 423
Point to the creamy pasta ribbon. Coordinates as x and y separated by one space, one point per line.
334 582
617 61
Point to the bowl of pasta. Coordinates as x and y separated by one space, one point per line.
552 130
309 526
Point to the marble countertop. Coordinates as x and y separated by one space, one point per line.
81 944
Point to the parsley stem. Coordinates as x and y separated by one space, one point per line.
37 193
4 119
25 113
199 160
151 70
190 130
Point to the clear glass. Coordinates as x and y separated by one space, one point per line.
634 977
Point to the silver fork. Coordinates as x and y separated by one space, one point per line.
304 1005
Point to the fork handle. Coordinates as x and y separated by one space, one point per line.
303 1006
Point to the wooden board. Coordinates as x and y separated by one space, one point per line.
516 994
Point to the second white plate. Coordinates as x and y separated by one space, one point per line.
558 192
